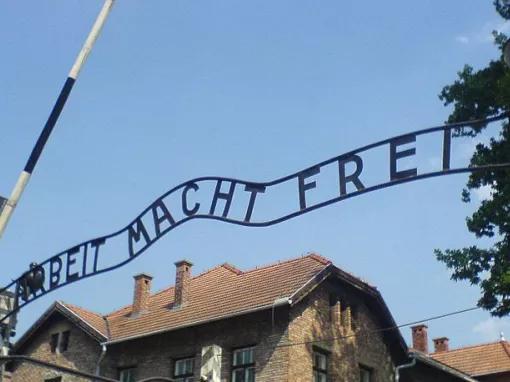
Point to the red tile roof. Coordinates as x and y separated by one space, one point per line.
96 321
92 323
479 359
220 292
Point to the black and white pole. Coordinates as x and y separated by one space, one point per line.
24 177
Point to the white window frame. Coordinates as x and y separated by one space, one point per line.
320 372
60 341
127 374
186 376
248 366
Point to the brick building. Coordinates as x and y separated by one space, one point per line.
484 362
298 320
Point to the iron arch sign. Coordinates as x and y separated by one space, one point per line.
242 202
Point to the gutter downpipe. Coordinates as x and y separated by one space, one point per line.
404 366
101 356
279 302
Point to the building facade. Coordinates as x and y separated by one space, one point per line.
298 320
488 362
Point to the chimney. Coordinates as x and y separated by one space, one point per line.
141 293
420 338
441 344
182 281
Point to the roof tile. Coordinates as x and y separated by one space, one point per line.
96 321
479 359
220 292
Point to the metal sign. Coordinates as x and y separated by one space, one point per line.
248 204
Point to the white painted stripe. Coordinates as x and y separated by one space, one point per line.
91 39
11 203
23 179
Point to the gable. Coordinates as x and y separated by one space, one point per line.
39 345
367 310
58 315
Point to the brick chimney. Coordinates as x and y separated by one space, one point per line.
441 344
182 282
141 294
420 338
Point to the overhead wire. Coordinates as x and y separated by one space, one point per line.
379 330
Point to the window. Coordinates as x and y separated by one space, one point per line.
56 379
365 374
320 366
54 342
243 365
127 374
183 370
59 342
64 340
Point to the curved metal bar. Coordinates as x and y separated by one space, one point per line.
447 128
49 365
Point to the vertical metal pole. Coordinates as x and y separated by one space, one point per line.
4 350
24 177
447 142
10 304
2 363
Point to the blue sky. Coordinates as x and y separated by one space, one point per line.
255 90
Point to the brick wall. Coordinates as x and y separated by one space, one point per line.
154 356
82 353
270 332
500 377
314 319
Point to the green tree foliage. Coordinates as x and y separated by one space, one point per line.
478 95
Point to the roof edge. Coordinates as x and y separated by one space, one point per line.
59 307
80 319
439 365
278 302
373 292
500 342
232 268
36 325
311 284
491 373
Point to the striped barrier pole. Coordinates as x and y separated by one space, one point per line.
24 177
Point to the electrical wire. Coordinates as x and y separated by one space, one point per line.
389 328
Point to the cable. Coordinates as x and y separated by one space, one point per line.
380 329
433 318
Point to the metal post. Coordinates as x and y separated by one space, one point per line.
24 177
7 304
